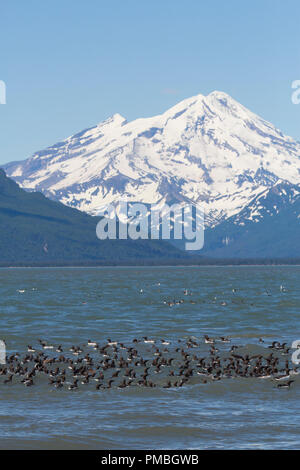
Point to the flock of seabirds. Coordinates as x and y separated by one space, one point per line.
148 362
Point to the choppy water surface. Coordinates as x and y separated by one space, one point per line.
70 306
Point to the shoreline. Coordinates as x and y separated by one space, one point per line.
203 265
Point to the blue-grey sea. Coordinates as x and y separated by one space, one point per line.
68 306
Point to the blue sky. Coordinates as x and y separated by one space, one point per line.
68 65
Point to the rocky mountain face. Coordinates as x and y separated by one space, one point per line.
269 227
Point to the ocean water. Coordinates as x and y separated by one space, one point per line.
68 306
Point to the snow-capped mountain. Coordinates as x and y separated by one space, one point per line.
208 149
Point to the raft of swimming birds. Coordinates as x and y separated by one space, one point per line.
148 363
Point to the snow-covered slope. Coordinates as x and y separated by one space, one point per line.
269 227
209 149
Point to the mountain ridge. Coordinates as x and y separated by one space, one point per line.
269 226
38 231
